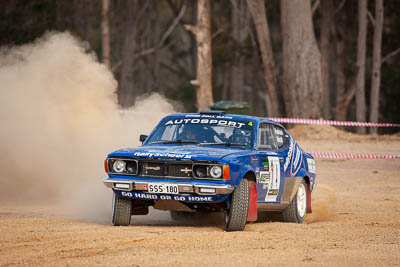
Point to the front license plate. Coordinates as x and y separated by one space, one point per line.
163 188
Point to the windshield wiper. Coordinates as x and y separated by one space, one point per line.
223 144
174 142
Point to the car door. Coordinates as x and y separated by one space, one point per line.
271 145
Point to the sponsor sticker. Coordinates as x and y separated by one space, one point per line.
265 177
220 122
289 156
252 158
265 163
207 116
273 192
162 155
296 161
275 179
311 166
191 198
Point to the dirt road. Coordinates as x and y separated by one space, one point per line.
356 221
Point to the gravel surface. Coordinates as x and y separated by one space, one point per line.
355 221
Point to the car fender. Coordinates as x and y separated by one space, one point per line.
305 175
245 170
302 173
252 210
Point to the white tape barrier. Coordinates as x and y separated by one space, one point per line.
333 123
325 155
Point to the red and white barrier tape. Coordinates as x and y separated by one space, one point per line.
335 123
325 155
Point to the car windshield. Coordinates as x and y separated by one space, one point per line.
201 130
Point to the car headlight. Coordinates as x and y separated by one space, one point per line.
201 171
119 166
216 171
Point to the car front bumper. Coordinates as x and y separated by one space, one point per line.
192 188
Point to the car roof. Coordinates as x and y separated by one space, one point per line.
221 115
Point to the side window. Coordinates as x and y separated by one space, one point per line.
265 137
281 137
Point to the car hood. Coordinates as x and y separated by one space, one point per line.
194 152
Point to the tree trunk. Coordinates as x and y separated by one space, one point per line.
345 84
361 52
105 33
344 93
258 12
156 38
326 50
376 64
240 23
126 93
302 78
147 37
225 86
202 33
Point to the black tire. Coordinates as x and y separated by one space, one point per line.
121 210
295 213
236 217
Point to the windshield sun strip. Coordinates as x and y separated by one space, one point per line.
247 125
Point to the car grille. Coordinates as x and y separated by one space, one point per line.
152 168
180 170
166 169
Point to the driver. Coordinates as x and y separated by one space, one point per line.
190 135
241 137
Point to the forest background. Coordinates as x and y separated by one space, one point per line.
330 59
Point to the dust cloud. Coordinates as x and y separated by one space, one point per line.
323 204
59 121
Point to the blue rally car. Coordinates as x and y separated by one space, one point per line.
212 162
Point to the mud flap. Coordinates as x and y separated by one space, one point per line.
139 207
309 210
140 211
252 211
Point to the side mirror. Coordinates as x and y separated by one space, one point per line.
143 138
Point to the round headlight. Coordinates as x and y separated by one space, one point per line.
216 171
201 171
119 166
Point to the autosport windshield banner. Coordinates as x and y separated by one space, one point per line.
218 121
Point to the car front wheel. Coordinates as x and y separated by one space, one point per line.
296 211
121 210
236 217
